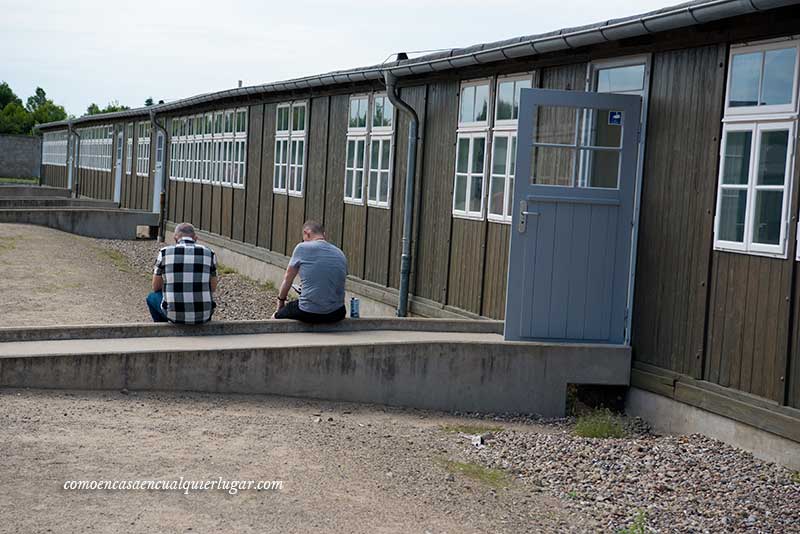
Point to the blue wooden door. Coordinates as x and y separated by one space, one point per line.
569 262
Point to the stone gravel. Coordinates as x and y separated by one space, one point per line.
679 483
238 297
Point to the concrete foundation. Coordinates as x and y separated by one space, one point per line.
433 370
53 202
29 191
672 417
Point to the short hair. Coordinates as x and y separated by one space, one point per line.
185 228
313 227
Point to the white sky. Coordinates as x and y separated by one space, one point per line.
96 51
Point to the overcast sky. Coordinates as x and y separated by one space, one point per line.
98 51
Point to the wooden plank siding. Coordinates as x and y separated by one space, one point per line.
334 177
677 208
353 238
317 159
267 169
435 206
495 271
255 174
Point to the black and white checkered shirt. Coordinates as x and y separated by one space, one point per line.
187 269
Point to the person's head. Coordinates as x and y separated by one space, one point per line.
313 230
184 230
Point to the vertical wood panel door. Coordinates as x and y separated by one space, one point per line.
573 213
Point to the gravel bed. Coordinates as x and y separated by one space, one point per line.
238 298
679 483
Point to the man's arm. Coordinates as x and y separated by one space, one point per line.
213 283
158 282
158 271
286 285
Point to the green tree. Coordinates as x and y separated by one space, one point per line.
7 96
48 112
38 99
94 109
14 119
149 101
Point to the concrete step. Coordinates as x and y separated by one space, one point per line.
12 191
103 223
421 369
54 202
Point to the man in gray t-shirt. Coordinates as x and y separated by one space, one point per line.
323 269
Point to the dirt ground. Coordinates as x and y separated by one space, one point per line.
52 277
346 468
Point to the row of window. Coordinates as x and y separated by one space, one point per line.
210 148
54 148
95 147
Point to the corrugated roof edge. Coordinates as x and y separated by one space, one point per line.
681 15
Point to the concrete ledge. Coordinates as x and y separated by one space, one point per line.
376 368
217 328
12 190
673 417
91 222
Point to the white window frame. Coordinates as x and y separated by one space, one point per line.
748 245
279 166
502 128
143 149
380 139
129 130
297 166
751 112
472 130
355 134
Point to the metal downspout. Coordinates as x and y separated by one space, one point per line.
408 207
74 163
162 212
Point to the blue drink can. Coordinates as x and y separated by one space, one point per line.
354 308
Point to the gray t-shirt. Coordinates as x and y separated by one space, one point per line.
323 269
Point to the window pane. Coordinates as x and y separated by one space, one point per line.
500 155
478 149
377 114
555 124
518 87
373 185
745 73
737 157
384 187
375 154
481 102
299 118
351 150
460 193
772 160
358 183
505 101
360 153
767 219
778 76
497 195
604 128
353 122
388 112
552 165
620 79
386 148
602 169
348 183
731 214
467 104
476 193
462 160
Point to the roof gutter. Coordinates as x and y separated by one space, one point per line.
681 16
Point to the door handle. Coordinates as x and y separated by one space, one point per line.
523 216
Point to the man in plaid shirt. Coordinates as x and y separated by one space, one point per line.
184 280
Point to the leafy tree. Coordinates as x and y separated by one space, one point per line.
48 112
14 119
149 101
94 109
7 96
38 99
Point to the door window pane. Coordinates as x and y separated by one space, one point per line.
767 217
602 168
745 74
772 160
737 157
552 165
556 125
733 203
778 76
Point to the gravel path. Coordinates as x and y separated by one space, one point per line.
57 278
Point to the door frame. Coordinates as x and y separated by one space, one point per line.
118 166
158 171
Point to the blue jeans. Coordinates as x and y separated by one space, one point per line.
154 303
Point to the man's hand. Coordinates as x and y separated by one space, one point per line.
281 303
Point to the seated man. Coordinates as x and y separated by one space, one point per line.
184 280
323 269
